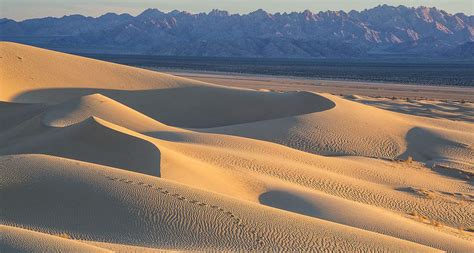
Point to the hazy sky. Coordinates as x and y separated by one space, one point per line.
24 9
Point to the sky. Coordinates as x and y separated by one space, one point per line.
25 9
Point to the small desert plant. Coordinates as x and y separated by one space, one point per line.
469 229
425 193
435 223
418 216
63 235
414 214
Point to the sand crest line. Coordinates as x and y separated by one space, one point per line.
231 216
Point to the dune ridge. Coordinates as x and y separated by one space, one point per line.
167 163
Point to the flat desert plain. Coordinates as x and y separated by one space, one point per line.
96 156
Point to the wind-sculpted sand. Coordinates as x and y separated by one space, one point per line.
96 156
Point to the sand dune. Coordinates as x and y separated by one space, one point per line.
94 141
126 159
355 129
164 213
194 103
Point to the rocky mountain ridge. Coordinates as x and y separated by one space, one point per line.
383 30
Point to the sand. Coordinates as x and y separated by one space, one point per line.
96 156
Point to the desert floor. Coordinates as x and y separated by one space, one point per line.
337 87
96 156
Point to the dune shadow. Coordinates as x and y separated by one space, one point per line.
197 106
424 145
92 142
12 114
440 110
289 202
408 189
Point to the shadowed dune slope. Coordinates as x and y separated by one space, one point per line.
97 105
92 140
12 114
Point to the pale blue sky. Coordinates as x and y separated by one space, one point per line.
24 9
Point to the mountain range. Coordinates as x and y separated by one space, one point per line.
380 31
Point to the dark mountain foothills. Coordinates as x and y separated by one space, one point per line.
380 31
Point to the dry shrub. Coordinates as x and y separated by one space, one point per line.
418 216
469 229
435 223
63 235
425 193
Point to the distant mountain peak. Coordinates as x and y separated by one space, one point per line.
109 14
112 16
260 13
150 12
217 12
73 16
309 15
